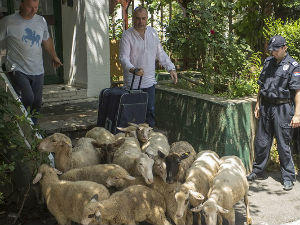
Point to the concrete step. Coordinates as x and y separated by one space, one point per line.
67 110
61 92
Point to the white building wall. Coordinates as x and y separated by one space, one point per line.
97 39
86 45
74 44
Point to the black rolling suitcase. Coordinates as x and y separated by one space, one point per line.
118 106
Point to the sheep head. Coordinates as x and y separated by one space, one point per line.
101 135
94 211
43 170
210 210
118 178
144 165
55 142
108 150
160 167
173 161
143 131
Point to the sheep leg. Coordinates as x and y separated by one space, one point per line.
198 215
249 219
219 219
230 216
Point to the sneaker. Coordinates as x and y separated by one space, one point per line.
287 185
252 176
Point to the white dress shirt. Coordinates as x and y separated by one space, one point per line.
141 53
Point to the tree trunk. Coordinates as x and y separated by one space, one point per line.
170 11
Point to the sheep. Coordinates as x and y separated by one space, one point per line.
154 144
229 186
166 190
197 182
101 135
157 148
98 173
140 131
106 141
134 204
130 157
67 200
180 158
85 153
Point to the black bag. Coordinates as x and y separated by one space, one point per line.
118 106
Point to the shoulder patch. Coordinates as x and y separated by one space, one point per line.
296 74
295 63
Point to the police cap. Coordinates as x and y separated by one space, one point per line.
276 42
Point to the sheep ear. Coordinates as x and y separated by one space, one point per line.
94 198
95 144
222 210
133 124
37 178
123 129
129 177
161 154
57 171
196 195
117 143
197 208
184 155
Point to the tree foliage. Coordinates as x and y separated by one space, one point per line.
13 149
289 29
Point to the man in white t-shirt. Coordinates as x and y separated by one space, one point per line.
139 48
24 34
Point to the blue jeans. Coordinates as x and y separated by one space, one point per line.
30 90
150 116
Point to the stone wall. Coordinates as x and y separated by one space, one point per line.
208 122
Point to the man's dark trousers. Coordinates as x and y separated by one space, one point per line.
29 88
150 116
275 120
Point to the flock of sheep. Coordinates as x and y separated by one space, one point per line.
137 176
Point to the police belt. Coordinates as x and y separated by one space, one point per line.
276 101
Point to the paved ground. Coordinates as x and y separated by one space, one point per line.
270 204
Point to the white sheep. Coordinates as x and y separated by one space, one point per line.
130 157
198 180
134 204
166 190
67 200
229 186
106 141
101 135
157 148
84 154
98 173
180 158
140 131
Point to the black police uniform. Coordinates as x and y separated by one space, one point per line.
278 83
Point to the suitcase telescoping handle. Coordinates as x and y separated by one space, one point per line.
133 78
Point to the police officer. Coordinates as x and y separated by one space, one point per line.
278 110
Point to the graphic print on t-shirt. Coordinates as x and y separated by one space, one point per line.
31 36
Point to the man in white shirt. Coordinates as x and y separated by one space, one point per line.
139 48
